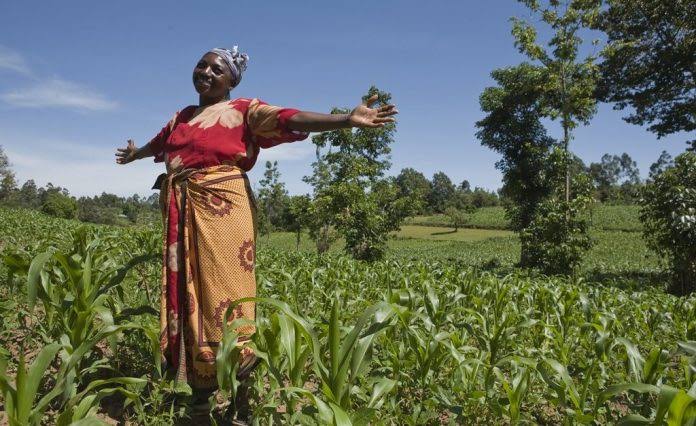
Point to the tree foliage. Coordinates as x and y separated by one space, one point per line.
442 190
659 166
616 179
416 187
553 231
458 218
512 127
669 219
568 87
272 198
557 237
649 62
297 215
351 193
59 204
8 183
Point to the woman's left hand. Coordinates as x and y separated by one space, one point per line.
364 115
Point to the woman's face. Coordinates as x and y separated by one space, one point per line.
211 77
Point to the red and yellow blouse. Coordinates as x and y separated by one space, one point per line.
229 132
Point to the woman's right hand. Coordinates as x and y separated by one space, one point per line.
127 154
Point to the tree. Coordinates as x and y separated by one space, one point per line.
28 195
557 237
606 172
351 193
321 216
649 62
298 215
414 186
669 219
58 204
659 166
553 231
616 178
569 85
272 196
457 217
482 198
89 209
8 183
512 127
442 190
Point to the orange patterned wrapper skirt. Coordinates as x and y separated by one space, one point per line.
209 218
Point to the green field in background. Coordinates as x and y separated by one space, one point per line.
604 217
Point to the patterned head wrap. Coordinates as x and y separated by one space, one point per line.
237 62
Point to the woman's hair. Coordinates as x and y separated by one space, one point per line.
237 62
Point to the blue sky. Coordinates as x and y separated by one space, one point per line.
78 78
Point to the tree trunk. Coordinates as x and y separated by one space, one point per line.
322 240
684 278
566 142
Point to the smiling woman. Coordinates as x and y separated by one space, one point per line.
209 212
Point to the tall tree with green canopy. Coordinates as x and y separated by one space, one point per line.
612 170
668 214
8 183
351 193
297 215
649 62
513 128
414 186
442 190
660 165
319 221
272 195
570 80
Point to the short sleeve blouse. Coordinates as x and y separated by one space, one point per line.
229 132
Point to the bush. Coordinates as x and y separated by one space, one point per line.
457 217
557 237
669 220
59 205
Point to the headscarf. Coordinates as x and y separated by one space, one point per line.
237 62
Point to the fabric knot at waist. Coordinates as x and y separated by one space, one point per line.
204 176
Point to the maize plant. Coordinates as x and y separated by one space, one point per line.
427 336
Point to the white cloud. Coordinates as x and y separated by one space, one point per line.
288 151
13 61
58 93
89 174
86 169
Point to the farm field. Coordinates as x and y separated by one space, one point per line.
604 217
440 332
449 234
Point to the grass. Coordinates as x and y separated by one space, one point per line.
604 217
617 258
449 234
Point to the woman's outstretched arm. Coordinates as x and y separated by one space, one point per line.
131 153
362 116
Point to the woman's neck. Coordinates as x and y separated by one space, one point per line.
203 101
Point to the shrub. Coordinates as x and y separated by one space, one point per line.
557 237
59 205
669 220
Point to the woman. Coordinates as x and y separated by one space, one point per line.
208 208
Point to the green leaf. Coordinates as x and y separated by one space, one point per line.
34 276
634 420
621 388
682 410
382 387
28 384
